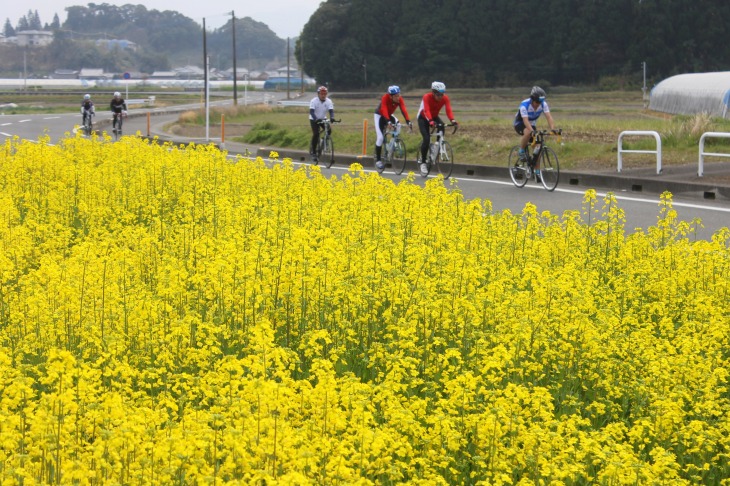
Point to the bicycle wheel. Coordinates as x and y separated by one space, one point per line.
328 150
549 168
117 127
517 168
445 160
397 157
319 151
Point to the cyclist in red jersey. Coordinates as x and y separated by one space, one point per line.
384 116
428 116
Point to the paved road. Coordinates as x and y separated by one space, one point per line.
641 210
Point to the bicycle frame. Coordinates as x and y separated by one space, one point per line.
537 142
392 135
117 118
324 126
440 139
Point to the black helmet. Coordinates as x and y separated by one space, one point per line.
537 94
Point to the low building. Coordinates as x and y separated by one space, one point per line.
93 74
163 75
65 74
33 38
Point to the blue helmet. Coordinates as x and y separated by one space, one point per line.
393 89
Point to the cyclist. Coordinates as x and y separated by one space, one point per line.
87 108
118 107
384 117
526 119
319 108
428 116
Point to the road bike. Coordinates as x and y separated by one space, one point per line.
326 146
395 148
440 153
117 121
539 156
88 124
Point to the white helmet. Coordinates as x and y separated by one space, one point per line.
117 94
438 86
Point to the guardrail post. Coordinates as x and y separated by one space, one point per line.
701 167
658 150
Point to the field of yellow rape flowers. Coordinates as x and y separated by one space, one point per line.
171 316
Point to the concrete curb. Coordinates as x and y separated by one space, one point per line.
676 181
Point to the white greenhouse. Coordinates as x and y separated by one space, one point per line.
689 94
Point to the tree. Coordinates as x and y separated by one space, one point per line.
22 24
56 24
34 20
8 30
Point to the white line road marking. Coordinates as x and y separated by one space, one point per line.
567 191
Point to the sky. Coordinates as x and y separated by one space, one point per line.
285 17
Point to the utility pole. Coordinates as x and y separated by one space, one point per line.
287 69
205 82
25 69
643 89
235 72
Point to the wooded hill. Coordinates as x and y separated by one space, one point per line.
164 39
473 43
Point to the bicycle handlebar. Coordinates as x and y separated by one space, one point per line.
546 133
455 125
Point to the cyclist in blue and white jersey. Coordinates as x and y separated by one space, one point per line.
319 108
527 115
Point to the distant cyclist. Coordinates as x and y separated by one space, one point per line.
319 108
87 108
526 118
384 117
118 107
428 116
